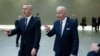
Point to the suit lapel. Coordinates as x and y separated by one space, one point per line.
29 24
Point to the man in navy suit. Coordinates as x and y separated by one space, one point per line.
29 28
65 29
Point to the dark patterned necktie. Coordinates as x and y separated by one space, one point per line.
25 23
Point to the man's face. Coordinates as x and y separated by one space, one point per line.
26 10
60 14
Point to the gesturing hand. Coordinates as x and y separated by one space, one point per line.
7 32
47 28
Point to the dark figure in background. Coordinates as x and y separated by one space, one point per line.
97 24
38 17
18 35
99 20
93 22
65 29
30 29
74 19
94 50
83 22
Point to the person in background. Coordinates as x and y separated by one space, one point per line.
65 29
93 23
18 35
97 24
38 17
99 21
83 22
74 19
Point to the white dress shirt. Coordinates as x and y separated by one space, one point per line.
28 19
63 25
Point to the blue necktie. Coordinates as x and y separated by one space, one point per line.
61 28
25 23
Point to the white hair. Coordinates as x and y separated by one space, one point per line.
29 5
62 7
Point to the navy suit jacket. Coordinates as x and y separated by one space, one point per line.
30 35
69 41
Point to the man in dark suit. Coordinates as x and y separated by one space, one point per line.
94 50
65 29
83 23
97 24
93 23
18 35
29 28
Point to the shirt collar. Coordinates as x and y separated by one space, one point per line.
64 20
29 17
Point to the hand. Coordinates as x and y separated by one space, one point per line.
94 47
33 52
7 32
72 55
47 28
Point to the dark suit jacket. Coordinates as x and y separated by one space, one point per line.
69 41
16 23
30 35
93 21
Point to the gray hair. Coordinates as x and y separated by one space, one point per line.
62 7
29 5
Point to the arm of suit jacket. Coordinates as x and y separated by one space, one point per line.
51 32
15 31
16 23
37 35
75 39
